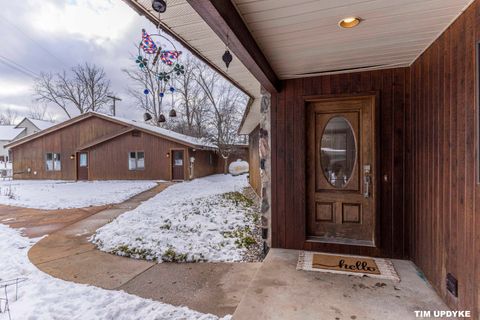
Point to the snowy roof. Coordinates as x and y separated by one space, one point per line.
8 133
178 137
164 132
42 124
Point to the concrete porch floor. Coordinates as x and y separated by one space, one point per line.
279 291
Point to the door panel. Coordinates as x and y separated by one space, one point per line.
82 166
178 169
341 197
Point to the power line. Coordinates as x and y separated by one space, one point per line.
13 66
56 58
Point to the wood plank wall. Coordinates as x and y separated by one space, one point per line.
254 161
288 157
109 160
443 195
65 141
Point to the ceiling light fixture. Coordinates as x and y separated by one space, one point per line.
349 22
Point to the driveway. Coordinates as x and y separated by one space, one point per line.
67 254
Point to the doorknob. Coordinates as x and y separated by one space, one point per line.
367 179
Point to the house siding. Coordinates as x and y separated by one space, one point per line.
442 138
31 154
108 160
254 161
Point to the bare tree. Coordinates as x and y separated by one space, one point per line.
8 117
85 90
193 104
152 102
97 87
40 112
225 103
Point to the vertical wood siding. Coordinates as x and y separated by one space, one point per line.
65 141
442 194
288 157
107 160
254 161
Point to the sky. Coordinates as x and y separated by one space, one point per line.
54 35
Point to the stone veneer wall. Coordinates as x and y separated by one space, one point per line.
265 168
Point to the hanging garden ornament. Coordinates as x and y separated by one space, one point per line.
227 58
159 60
158 55
147 116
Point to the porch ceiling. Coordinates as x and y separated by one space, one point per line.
302 38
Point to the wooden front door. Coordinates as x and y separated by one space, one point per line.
82 166
341 169
178 169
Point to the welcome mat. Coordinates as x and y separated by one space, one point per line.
346 264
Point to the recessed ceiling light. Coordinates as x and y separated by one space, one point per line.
349 22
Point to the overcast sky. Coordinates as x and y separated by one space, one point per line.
53 35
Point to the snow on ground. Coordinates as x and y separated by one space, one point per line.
54 194
207 219
43 297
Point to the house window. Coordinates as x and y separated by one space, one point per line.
136 160
53 162
83 161
210 159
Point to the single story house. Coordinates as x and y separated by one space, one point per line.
368 128
95 146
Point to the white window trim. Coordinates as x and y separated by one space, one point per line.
136 168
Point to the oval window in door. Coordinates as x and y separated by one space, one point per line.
338 151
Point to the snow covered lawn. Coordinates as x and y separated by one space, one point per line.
207 219
43 297
50 194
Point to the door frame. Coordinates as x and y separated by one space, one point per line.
184 163
77 164
315 245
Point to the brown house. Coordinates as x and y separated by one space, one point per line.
371 124
94 146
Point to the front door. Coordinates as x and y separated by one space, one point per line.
341 189
178 171
82 166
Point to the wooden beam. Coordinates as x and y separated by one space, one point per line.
224 19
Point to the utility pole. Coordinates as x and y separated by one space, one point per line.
114 99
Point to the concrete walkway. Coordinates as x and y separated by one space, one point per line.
67 254
279 291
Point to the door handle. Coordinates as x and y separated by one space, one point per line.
367 180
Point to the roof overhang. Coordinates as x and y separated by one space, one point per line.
274 40
283 39
129 126
251 117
